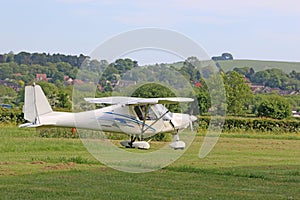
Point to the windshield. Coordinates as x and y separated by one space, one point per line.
141 110
161 110
154 112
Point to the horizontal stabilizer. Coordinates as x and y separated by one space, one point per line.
33 125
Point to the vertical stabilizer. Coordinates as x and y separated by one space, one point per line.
36 103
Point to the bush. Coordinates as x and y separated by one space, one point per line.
274 106
57 132
234 124
11 116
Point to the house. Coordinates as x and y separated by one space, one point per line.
41 77
68 80
77 81
126 83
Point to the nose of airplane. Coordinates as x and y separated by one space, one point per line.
182 120
193 118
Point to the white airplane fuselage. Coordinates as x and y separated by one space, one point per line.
132 116
116 118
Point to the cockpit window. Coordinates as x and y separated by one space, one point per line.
141 110
138 112
162 110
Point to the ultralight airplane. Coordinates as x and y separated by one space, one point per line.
140 118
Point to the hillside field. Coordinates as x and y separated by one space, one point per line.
32 167
259 65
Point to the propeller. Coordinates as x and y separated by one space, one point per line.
192 117
191 125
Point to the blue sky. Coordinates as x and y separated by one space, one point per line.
256 29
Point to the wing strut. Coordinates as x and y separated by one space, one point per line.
144 121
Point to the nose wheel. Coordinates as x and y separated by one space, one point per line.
176 143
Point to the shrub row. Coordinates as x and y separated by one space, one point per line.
11 116
235 124
57 132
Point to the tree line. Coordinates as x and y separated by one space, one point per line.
20 69
27 58
273 78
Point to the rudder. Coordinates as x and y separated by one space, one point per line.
35 103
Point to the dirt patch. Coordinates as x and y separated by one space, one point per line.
60 166
8 163
38 163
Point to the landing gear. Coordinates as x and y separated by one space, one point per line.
177 144
129 143
132 144
132 140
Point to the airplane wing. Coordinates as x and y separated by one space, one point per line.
138 101
170 100
110 100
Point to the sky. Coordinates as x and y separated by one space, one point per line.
256 29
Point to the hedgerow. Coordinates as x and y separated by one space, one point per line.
11 116
235 124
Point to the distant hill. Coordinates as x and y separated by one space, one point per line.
259 65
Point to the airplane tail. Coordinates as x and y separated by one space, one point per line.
35 104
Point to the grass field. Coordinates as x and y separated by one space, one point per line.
259 65
238 168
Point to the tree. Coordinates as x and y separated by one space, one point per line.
64 67
8 57
274 106
215 85
227 56
6 91
238 93
123 65
38 58
109 73
5 71
246 71
260 77
278 78
23 58
51 92
64 101
58 76
154 90
272 78
190 68
203 97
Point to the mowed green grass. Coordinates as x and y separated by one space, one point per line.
238 168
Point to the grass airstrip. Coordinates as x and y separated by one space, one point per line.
240 166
